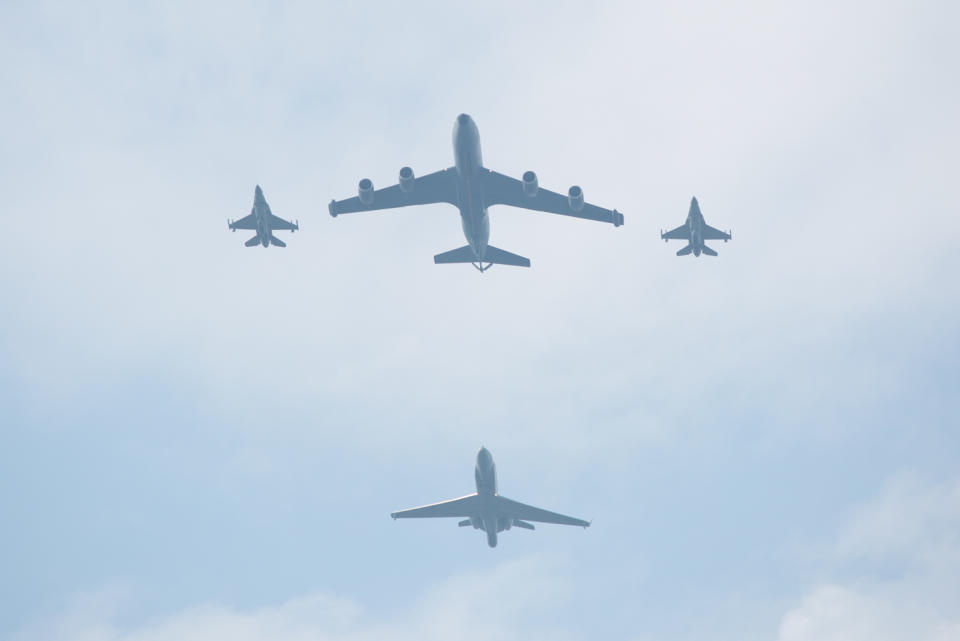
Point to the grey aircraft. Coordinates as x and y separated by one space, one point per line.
485 509
264 222
695 231
472 188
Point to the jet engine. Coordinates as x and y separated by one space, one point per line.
406 180
530 184
575 196
365 191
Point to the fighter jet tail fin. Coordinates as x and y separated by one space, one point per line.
708 251
276 241
686 250
253 241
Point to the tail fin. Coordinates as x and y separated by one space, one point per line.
500 257
276 241
686 250
462 255
708 251
253 241
493 256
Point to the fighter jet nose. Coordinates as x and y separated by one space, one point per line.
484 458
463 119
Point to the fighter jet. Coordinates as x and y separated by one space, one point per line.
695 231
485 509
472 188
264 222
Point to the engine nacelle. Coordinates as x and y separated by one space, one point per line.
575 197
530 184
365 191
406 180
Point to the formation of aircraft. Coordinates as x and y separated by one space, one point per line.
473 189
695 230
487 510
262 220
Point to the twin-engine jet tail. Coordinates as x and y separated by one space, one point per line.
686 250
493 256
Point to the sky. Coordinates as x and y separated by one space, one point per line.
200 440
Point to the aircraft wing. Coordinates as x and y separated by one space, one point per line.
279 223
438 187
247 222
712 233
464 506
680 233
499 189
516 510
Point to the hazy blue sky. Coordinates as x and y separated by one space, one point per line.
200 440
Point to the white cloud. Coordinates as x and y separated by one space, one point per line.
513 600
905 554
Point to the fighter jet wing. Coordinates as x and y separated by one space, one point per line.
279 223
464 506
712 233
438 187
247 222
515 510
680 233
499 189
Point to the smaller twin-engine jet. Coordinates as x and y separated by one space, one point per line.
695 231
264 222
472 188
486 510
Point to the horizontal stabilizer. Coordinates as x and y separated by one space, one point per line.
253 241
523 524
462 255
686 250
276 241
500 257
708 251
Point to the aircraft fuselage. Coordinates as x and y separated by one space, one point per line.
260 211
695 224
485 473
469 163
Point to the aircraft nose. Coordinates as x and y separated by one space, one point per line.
484 457
463 119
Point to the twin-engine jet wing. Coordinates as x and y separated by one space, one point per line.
474 506
464 506
438 187
516 510
499 189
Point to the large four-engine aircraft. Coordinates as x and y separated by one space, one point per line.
485 509
695 231
264 222
472 188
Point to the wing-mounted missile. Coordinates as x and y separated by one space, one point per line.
296 225
230 225
365 191
406 180
575 197
530 184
